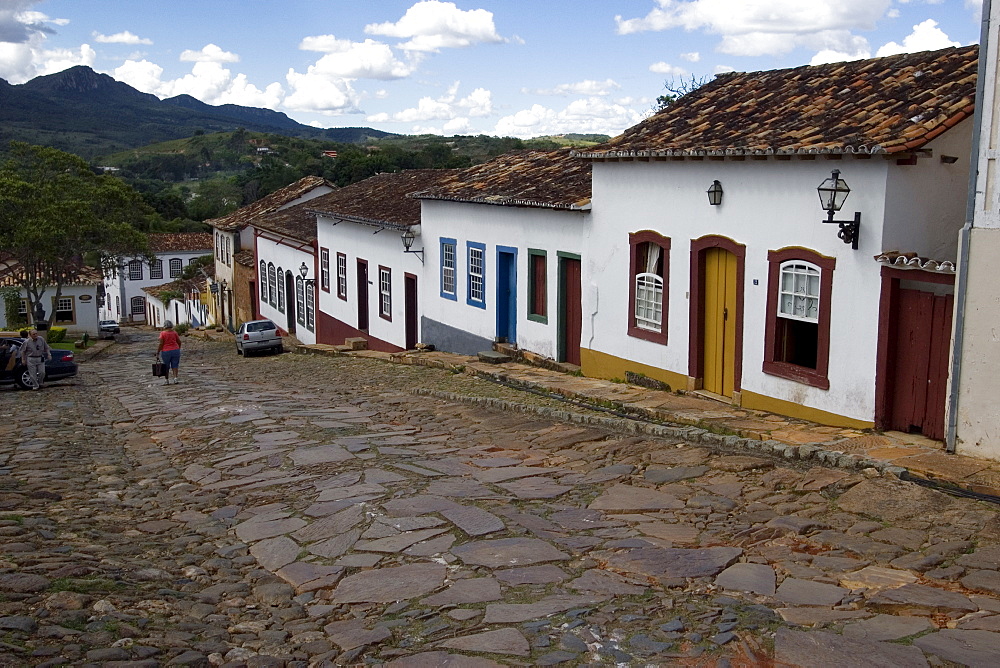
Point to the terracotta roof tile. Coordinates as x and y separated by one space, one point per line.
279 198
10 275
550 179
881 105
180 241
382 200
244 257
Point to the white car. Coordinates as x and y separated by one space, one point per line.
258 335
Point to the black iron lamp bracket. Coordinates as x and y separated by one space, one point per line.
419 253
849 229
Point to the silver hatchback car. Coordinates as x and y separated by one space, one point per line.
258 335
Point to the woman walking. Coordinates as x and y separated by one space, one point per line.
169 350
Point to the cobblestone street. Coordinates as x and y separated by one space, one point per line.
295 510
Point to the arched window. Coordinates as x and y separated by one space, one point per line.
176 266
156 268
218 246
263 281
797 330
227 251
139 306
310 305
281 290
648 268
300 301
272 285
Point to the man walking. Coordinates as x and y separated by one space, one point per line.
34 353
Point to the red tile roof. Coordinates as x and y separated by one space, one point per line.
244 257
381 200
11 274
279 198
550 179
180 242
880 105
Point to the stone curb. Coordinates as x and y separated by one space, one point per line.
633 425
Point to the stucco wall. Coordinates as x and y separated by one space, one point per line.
517 227
379 248
86 309
767 205
120 286
288 259
926 202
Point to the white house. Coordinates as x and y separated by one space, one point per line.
234 233
368 285
124 299
183 302
503 243
710 267
76 308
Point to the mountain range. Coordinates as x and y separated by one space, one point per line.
90 114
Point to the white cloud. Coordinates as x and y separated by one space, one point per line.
585 87
759 27
124 37
23 32
449 107
431 25
588 115
691 57
210 53
316 93
209 82
926 36
666 68
356 60
50 61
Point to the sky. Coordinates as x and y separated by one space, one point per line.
521 68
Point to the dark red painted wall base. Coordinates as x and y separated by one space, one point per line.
333 332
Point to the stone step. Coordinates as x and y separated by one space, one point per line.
493 357
356 343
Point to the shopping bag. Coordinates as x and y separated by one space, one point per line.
159 369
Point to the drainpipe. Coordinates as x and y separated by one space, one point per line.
966 234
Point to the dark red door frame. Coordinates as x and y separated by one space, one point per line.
696 324
888 330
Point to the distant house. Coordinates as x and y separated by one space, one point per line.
503 243
368 285
125 300
76 308
752 299
183 301
235 299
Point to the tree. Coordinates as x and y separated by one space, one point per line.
676 88
54 211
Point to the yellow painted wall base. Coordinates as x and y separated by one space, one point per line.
601 365
759 402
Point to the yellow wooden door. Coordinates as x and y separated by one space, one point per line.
720 321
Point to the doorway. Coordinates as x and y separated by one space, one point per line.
716 340
570 308
362 278
914 340
506 294
410 310
290 303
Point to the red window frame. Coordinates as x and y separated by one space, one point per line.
635 240
385 309
342 279
324 269
818 377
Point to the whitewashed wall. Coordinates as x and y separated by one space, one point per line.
767 205
518 227
120 286
86 309
383 248
289 259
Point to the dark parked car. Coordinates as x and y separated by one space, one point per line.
106 329
60 366
258 335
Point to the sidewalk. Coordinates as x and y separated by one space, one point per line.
724 424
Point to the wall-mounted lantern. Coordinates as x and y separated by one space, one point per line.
832 194
715 193
408 238
304 271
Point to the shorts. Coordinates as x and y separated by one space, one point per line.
172 358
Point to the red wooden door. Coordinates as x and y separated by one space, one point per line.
920 362
571 311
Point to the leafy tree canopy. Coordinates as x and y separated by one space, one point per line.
54 211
